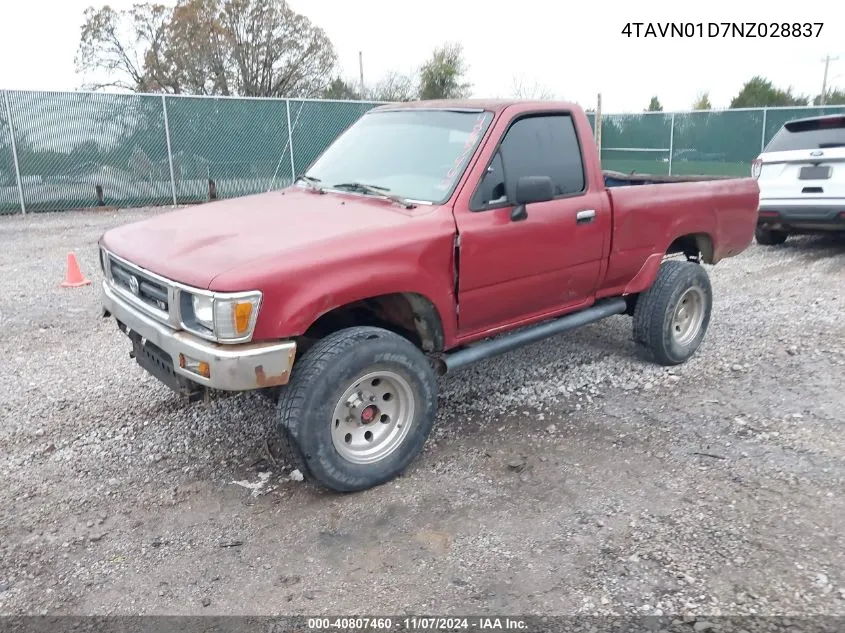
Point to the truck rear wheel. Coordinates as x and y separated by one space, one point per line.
770 237
671 317
359 408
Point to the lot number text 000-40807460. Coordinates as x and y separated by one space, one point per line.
722 29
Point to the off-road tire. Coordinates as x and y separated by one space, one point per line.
770 237
655 325
306 406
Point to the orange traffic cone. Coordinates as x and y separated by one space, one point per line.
73 277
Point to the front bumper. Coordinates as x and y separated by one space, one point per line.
801 217
169 354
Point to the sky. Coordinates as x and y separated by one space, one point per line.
571 50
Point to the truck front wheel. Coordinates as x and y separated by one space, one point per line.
671 317
359 408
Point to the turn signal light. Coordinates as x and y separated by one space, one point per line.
199 367
243 311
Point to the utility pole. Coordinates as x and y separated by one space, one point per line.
361 70
826 61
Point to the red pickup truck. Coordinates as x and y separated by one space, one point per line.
428 236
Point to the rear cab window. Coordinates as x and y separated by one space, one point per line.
534 145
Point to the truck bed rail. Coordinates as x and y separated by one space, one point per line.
619 179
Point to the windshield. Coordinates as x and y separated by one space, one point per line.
416 154
809 134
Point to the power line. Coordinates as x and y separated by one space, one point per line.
827 59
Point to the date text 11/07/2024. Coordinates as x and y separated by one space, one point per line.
723 29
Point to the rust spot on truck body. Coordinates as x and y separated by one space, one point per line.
262 380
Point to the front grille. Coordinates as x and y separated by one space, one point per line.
151 292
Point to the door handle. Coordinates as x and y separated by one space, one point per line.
586 216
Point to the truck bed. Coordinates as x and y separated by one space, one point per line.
646 219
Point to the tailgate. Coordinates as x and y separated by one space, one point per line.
804 163
803 175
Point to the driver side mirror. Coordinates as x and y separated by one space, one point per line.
531 189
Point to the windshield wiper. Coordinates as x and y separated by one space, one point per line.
375 190
313 183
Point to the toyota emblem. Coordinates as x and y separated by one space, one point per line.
133 285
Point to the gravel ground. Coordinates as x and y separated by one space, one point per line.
572 476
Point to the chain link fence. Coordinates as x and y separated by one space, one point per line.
70 150
702 142
67 150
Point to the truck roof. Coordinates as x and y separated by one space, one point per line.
494 105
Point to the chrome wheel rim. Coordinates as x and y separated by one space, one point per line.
688 317
373 417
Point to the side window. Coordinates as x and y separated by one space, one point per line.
544 146
491 189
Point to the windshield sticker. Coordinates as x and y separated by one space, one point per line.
469 144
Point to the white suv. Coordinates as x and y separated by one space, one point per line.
801 174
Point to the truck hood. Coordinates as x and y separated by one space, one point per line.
197 244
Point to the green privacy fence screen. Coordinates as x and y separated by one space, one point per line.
67 150
719 143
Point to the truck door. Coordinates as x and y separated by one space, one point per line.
550 260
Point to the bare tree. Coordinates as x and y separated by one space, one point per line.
394 86
224 47
119 44
533 90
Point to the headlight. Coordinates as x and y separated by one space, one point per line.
203 310
221 316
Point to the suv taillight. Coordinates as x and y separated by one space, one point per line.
756 168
